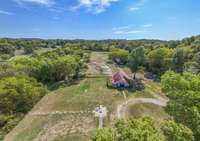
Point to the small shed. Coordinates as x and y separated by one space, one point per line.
120 80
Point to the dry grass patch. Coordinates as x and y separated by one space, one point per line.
146 109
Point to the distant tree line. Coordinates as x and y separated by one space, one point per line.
180 55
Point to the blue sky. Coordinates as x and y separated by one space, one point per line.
100 19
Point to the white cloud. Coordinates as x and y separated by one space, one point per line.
40 2
95 6
142 2
5 12
86 2
134 8
135 31
138 5
129 32
121 27
58 9
147 25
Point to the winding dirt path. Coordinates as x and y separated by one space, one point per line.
157 101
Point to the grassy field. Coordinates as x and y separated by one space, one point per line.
20 53
99 56
83 96
146 109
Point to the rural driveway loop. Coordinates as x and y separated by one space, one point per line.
121 107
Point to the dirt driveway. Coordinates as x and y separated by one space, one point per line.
132 101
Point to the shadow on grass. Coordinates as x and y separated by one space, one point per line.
62 84
134 86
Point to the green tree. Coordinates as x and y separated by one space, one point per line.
197 58
19 94
6 48
29 49
172 81
142 129
180 57
183 91
119 56
176 132
136 59
65 67
186 115
28 65
103 135
160 60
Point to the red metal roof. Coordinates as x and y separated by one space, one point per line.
119 77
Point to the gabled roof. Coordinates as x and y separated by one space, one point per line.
120 77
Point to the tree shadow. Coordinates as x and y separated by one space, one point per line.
152 76
135 85
61 84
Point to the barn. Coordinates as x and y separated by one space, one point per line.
120 80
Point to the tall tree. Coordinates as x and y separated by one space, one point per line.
176 132
19 94
136 59
180 57
160 60
119 56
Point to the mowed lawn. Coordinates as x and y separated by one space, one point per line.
85 96
146 109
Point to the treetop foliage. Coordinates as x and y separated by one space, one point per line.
144 129
184 92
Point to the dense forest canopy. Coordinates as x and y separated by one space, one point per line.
160 55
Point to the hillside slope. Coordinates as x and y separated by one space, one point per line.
66 114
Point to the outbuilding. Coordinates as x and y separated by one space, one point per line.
120 80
